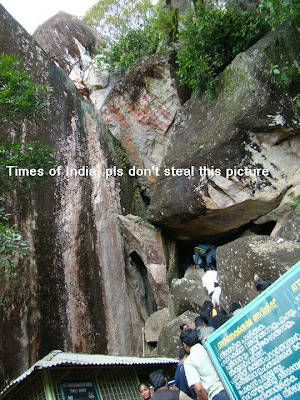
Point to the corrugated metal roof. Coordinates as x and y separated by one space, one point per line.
56 358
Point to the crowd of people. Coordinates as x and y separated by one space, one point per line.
195 377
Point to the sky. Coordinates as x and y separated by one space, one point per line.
32 13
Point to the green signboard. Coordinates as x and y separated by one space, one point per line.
83 389
257 352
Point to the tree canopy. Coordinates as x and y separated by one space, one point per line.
113 18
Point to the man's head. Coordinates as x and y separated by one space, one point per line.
188 338
158 379
263 283
207 304
205 314
184 326
199 321
234 306
182 354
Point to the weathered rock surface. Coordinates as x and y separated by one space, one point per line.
288 227
140 111
168 342
154 325
72 44
187 294
144 249
72 293
283 209
251 123
143 238
194 274
68 41
242 262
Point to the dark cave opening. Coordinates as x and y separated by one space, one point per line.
145 198
145 290
185 249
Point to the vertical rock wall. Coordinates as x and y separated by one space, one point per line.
71 293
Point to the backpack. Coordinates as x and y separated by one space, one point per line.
200 251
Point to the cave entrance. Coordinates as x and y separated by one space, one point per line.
185 249
143 288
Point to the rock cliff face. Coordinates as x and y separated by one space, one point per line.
140 111
72 294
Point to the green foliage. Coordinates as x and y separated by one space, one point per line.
135 44
277 12
21 100
11 242
139 207
281 75
165 23
212 39
27 156
297 99
113 18
296 201
286 76
122 158
19 96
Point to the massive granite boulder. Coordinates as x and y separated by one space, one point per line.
187 294
242 262
72 45
252 125
71 292
287 227
284 208
154 325
68 41
140 111
168 341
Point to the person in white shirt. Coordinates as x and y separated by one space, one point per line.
210 283
199 370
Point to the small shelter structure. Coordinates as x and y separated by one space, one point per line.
70 376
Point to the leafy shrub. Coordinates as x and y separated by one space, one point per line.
131 43
28 156
296 201
277 12
165 23
124 53
11 242
212 39
20 98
